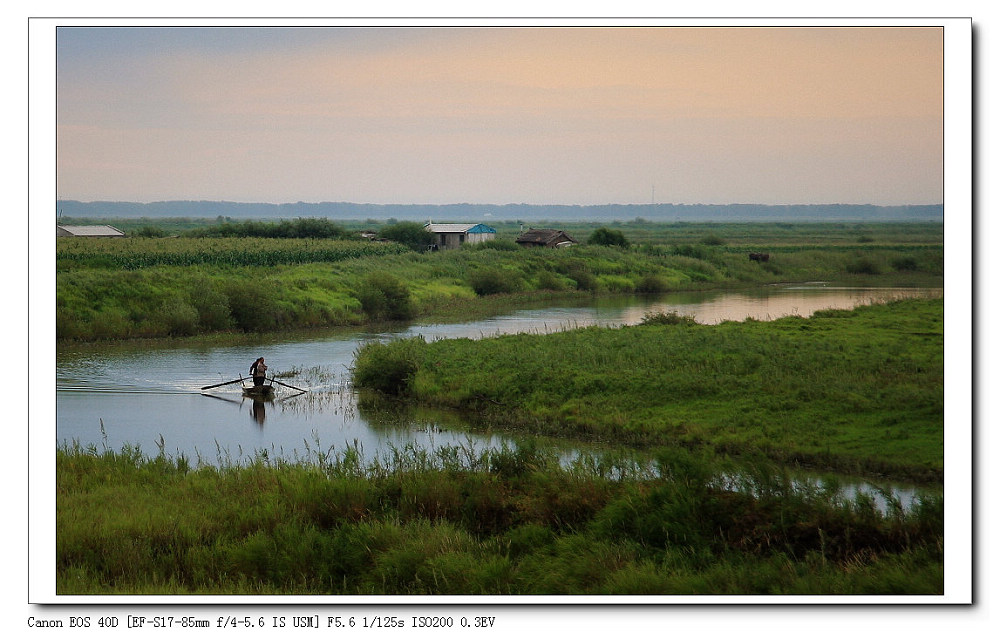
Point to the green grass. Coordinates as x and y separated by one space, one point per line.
137 253
858 391
453 521
159 287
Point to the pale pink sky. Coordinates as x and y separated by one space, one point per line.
498 115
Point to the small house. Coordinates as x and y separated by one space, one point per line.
447 236
88 231
545 237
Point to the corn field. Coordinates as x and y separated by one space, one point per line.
135 253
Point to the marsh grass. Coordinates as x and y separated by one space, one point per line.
857 391
461 521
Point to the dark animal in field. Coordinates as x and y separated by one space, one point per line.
760 257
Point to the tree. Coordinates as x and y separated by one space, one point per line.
410 234
608 237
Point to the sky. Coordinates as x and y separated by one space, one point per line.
497 115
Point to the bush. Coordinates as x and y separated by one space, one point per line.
579 273
863 266
667 319
387 367
112 323
385 297
300 228
496 245
212 307
549 281
608 237
651 284
490 281
148 231
905 264
687 250
410 234
179 317
252 309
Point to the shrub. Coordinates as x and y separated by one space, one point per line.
299 228
490 281
251 307
608 237
688 250
148 231
579 273
111 324
549 281
667 319
212 306
387 367
179 317
651 284
496 245
385 297
863 266
409 234
905 264
712 240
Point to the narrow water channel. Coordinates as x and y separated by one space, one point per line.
150 397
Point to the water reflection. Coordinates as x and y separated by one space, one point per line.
258 412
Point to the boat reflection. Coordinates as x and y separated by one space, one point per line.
258 412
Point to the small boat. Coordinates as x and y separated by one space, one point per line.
262 391
259 390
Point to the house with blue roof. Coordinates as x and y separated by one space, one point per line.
448 236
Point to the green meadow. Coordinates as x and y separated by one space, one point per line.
704 426
858 391
509 522
147 287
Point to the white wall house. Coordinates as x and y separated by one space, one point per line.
88 231
448 236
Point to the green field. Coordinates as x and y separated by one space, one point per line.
141 287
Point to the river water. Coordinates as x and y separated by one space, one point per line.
150 397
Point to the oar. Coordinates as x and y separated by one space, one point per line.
291 396
274 381
225 399
222 384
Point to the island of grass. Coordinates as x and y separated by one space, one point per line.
858 391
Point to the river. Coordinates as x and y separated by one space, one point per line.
112 395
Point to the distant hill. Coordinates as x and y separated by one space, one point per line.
502 212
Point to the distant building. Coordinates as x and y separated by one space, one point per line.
447 236
545 237
88 231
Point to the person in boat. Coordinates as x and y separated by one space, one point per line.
259 371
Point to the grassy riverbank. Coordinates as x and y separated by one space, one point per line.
858 391
458 522
163 287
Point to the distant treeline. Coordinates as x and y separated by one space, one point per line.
466 212
300 228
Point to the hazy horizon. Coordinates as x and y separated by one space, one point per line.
497 115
